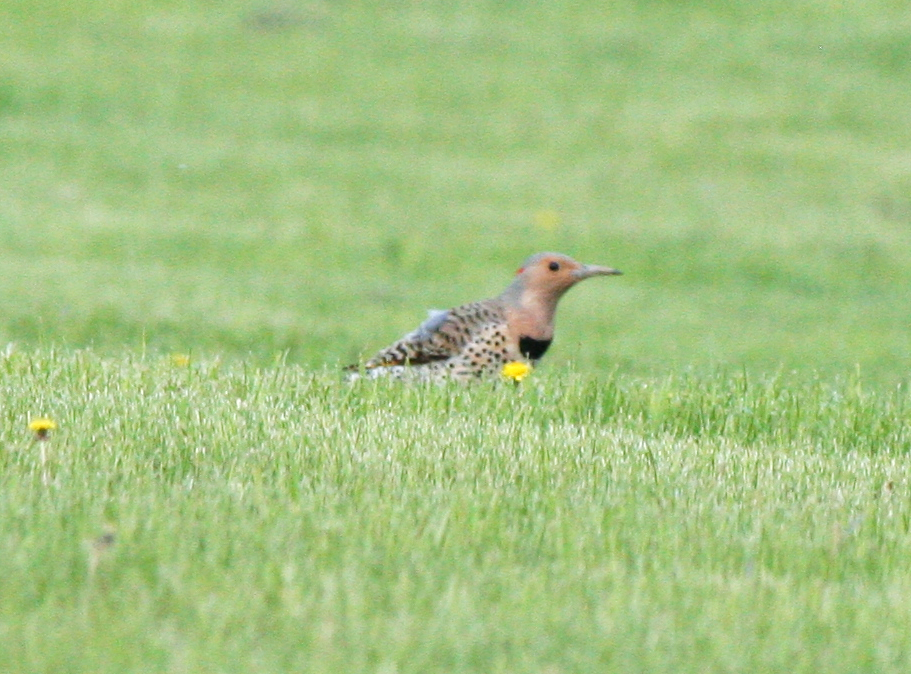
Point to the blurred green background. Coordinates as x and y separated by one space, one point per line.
244 179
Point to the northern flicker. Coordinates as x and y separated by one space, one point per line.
476 340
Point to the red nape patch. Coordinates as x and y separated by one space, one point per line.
520 270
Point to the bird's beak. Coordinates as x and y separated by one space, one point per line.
589 270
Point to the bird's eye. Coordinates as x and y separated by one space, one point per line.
554 266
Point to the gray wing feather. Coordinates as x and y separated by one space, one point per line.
442 335
435 320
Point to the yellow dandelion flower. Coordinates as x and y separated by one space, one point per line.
42 426
516 370
547 220
180 360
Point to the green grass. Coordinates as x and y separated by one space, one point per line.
240 179
706 474
275 520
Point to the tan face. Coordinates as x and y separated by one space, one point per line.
553 273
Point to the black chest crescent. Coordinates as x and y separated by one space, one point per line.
533 348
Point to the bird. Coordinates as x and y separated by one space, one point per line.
474 341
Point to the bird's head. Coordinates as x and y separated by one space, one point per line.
552 274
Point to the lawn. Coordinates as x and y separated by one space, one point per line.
274 520
207 208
